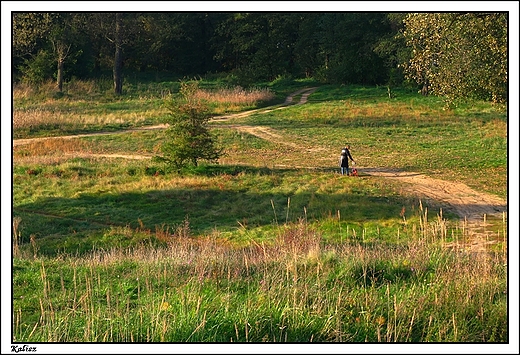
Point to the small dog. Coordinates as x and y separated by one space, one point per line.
354 172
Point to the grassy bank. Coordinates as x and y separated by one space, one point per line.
90 106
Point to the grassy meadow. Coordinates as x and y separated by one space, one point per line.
270 245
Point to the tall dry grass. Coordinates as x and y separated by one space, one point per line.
50 151
296 289
84 104
236 95
225 100
70 119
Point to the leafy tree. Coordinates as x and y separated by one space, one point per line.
106 37
391 47
62 36
113 27
118 57
28 30
257 46
358 48
38 35
159 43
307 44
459 55
30 56
188 138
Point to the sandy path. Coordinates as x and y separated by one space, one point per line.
466 202
473 207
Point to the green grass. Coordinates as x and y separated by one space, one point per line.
129 193
87 107
272 244
296 289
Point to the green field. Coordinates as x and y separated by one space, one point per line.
271 244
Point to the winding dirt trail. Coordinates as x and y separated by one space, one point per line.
288 102
470 205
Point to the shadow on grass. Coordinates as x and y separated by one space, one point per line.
233 170
75 225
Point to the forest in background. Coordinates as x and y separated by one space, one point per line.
454 55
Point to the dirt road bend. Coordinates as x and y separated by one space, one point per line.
463 200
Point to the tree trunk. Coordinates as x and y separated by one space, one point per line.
62 51
426 88
327 61
59 77
118 59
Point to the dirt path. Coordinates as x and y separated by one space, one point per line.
262 132
470 205
288 102
473 207
17 142
461 199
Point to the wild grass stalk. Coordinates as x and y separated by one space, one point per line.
16 236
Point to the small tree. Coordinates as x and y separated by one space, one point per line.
188 139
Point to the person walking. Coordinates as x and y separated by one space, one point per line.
343 160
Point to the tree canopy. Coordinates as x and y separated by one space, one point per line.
455 55
459 55
188 137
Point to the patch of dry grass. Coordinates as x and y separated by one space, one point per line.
236 95
48 117
49 151
26 119
23 91
38 107
234 99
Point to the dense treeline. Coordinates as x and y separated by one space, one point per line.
350 48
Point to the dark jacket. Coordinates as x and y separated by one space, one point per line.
345 155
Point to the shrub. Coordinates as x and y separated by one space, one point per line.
188 139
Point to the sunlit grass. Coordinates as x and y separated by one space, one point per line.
58 118
234 99
409 134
